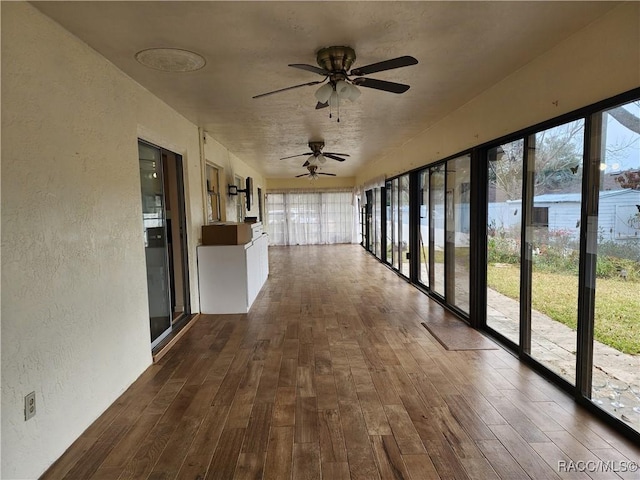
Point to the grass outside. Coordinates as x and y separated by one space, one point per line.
617 322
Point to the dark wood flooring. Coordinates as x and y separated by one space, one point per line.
332 376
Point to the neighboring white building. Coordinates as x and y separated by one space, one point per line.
618 217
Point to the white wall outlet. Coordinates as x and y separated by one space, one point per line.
29 405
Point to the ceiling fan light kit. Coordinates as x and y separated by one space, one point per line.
313 160
347 90
332 93
324 93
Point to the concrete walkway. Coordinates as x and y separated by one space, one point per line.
554 345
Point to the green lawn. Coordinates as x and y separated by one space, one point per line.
556 295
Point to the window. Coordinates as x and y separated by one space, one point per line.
311 218
540 217
212 176
240 200
260 206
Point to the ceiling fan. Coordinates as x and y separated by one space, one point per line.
316 156
313 173
334 64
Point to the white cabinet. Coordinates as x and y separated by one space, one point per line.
263 248
231 276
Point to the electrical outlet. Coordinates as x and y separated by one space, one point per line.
29 405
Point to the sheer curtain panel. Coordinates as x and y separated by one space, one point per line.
311 218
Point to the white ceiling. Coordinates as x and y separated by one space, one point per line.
463 48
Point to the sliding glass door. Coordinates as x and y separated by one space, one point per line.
533 246
615 272
155 241
458 231
377 222
423 229
392 222
164 223
397 226
404 253
504 219
563 254
437 225
552 233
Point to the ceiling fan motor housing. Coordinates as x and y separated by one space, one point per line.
316 147
336 59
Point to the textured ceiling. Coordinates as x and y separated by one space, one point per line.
463 48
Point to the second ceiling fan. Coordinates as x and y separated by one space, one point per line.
334 64
313 173
317 156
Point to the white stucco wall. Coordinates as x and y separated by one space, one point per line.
598 62
75 325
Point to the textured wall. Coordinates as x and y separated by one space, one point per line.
74 302
599 61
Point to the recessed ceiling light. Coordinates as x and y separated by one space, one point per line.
170 59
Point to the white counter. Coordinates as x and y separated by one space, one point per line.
231 276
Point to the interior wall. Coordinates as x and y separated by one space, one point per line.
219 155
598 62
75 325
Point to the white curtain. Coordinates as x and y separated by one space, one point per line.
311 217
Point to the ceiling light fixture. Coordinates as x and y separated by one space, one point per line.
170 60
324 93
347 90
316 160
335 90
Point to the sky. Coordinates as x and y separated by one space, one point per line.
618 135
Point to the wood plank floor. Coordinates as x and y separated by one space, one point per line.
332 376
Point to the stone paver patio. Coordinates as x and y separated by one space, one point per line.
554 345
